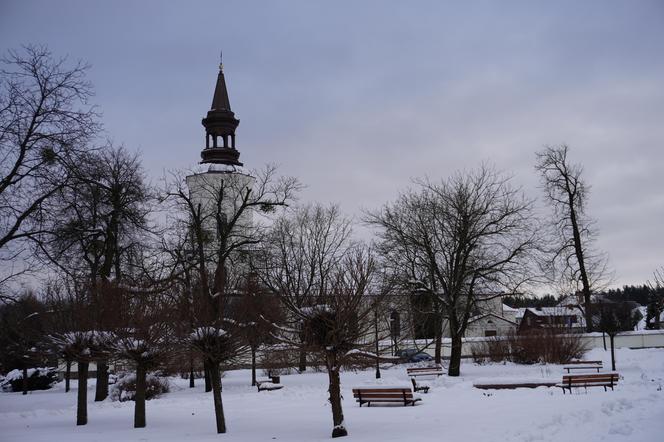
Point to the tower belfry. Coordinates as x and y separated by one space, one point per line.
220 124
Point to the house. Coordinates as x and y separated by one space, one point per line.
497 319
540 318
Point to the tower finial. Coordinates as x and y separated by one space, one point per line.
221 62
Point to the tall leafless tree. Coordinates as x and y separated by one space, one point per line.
574 258
100 218
303 249
46 122
221 210
469 235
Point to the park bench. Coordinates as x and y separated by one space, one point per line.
435 370
588 380
267 385
583 365
398 395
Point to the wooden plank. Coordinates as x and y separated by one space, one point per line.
514 386
386 390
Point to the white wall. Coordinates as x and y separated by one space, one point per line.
633 339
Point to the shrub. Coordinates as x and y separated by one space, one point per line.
541 346
41 378
125 388
549 345
495 349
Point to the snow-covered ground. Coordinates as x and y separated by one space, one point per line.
453 410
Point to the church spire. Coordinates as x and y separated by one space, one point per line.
220 124
220 100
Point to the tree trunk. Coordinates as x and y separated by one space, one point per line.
604 340
613 354
438 349
216 394
67 376
206 370
101 390
377 346
82 402
25 380
253 367
455 356
302 366
139 399
191 373
578 251
334 389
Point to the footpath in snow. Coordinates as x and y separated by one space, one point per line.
452 411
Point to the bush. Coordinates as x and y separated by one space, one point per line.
125 388
495 349
541 346
41 378
549 345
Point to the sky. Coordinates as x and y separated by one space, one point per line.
358 98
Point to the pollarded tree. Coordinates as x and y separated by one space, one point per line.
339 325
574 258
45 125
147 340
467 236
78 344
221 342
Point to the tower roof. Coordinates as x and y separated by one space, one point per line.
220 100
220 124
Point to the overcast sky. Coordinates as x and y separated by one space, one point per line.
357 98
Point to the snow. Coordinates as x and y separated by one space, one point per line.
452 410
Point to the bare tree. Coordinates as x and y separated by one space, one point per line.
303 249
45 124
339 326
147 340
655 301
221 210
256 310
574 257
100 218
22 335
467 236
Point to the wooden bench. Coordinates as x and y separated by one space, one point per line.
398 395
588 380
267 385
436 370
583 365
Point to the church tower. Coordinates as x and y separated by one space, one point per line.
220 124
220 179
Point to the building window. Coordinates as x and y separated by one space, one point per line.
488 333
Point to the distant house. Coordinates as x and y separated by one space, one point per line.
560 317
490 318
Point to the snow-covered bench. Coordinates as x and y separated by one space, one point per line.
267 385
435 370
583 365
383 394
588 380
